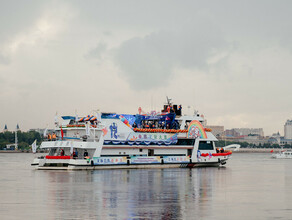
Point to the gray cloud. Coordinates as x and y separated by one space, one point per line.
97 52
4 59
149 62
239 50
16 16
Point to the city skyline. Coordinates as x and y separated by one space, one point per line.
228 60
222 129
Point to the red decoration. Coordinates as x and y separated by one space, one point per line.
222 154
62 133
57 157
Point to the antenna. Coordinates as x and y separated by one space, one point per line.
168 100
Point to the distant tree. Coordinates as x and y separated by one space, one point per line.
25 139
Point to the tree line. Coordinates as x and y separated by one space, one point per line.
222 143
25 139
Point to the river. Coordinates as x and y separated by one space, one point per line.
251 186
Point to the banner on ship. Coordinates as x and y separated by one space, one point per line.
145 160
153 138
176 159
109 160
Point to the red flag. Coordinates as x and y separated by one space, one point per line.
62 133
272 151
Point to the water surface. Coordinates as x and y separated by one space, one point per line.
251 186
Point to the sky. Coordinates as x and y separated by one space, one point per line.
230 60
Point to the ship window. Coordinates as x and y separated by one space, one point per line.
205 145
141 150
185 141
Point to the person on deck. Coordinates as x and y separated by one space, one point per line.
75 154
62 152
54 137
85 154
222 150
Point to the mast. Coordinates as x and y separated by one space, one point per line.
16 141
168 100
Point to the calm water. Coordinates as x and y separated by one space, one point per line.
252 186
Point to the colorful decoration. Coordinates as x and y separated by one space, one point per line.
215 154
109 160
58 157
159 130
145 160
114 130
222 154
125 121
199 155
104 130
176 159
196 130
71 126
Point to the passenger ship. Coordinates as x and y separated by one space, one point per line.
163 139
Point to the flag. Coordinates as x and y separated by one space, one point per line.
45 132
71 147
34 147
98 117
62 133
87 129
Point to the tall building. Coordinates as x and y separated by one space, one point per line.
288 129
250 131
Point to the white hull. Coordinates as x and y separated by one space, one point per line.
283 155
83 164
148 166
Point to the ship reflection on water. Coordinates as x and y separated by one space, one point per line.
252 186
134 194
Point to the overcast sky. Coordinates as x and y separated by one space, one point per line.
230 60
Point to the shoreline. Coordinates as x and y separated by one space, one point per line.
256 150
19 151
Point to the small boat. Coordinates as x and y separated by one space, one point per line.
232 147
283 154
163 139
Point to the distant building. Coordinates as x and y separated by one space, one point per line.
275 138
41 130
284 141
250 131
231 133
217 130
288 129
